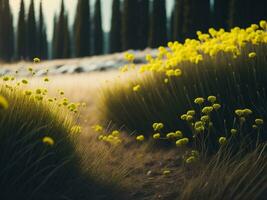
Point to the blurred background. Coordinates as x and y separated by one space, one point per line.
53 29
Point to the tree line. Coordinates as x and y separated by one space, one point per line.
135 24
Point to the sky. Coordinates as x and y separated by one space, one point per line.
50 7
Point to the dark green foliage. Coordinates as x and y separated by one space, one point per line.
158 24
115 31
177 20
129 25
221 13
98 31
6 32
259 10
61 37
246 12
31 169
54 39
143 23
82 29
196 17
31 32
238 13
42 37
22 33
66 39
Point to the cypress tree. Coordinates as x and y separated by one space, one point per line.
221 13
177 21
42 38
239 13
258 11
32 32
82 29
129 25
54 38
7 32
196 17
66 39
143 23
98 31
22 33
115 31
1 30
59 42
158 28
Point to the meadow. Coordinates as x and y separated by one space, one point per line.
190 123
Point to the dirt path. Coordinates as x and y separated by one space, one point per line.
149 174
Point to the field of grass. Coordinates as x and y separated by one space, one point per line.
189 124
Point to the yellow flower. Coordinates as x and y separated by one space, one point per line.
204 118
38 91
156 136
206 110
36 60
28 92
97 128
239 112
222 140
24 81
233 131
178 134
140 138
212 99
48 141
136 88
129 57
183 117
3 103
115 133
6 78
190 159
252 55
182 142
46 79
263 24
247 112
166 80
199 100
189 118
157 126
100 137
30 69
259 121
166 172
191 112
170 135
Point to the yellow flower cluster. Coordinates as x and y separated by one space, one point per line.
157 126
199 125
208 44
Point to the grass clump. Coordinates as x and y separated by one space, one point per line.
39 158
224 176
230 66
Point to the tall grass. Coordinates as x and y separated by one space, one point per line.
38 153
242 176
237 82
